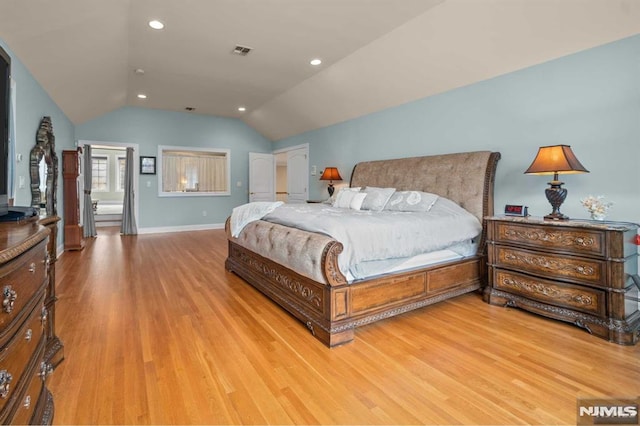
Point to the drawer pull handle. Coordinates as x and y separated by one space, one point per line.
28 335
9 300
32 267
27 402
45 370
5 381
44 314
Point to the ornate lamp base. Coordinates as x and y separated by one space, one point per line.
556 195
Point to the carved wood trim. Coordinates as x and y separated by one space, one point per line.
32 240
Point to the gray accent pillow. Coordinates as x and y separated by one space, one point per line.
411 201
376 197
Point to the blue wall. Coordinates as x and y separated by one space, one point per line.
33 103
149 128
589 100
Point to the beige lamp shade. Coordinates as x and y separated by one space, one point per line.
555 159
331 173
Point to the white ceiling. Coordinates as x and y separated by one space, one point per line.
376 53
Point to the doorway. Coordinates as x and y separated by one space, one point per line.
108 161
107 191
292 174
281 176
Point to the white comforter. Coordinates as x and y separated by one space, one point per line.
378 240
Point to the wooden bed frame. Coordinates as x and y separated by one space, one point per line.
318 294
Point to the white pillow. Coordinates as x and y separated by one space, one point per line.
376 197
344 196
411 201
357 200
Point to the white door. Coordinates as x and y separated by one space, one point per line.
261 177
298 175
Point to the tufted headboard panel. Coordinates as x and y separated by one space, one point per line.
466 178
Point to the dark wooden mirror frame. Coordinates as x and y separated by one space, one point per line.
45 150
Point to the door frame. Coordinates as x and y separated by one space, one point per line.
136 161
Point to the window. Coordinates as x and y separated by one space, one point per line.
121 163
193 171
99 173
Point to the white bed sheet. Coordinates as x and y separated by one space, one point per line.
418 261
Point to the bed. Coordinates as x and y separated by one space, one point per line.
299 270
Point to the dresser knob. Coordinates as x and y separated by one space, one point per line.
32 267
45 370
5 381
44 314
27 402
28 335
10 296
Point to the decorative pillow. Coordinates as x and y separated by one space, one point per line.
344 197
357 200
337 187
376 197
411 201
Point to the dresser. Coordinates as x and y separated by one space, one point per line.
580 271
24 278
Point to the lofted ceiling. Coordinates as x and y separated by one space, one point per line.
376 53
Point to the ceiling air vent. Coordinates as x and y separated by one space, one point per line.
242 50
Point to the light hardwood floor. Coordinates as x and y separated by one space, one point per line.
157 332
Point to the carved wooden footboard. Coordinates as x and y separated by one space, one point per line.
316 293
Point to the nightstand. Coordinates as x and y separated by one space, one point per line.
580 271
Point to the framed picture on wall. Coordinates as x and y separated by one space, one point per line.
147 165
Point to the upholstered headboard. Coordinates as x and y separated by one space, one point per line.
466 178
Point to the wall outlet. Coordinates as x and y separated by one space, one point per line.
204 213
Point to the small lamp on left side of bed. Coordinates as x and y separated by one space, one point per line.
330 174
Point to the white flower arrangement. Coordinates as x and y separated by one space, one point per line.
596 206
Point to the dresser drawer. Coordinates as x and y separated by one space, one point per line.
569 240
574 297
19 282
23 412
19 352
581 270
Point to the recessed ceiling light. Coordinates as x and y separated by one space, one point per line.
139 71
242 109
156 25
315 61
142 96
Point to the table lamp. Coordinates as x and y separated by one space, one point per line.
554 160
330 174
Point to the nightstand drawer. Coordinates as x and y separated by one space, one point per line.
577 240
574 297
582 270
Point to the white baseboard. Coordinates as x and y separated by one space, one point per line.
185 228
